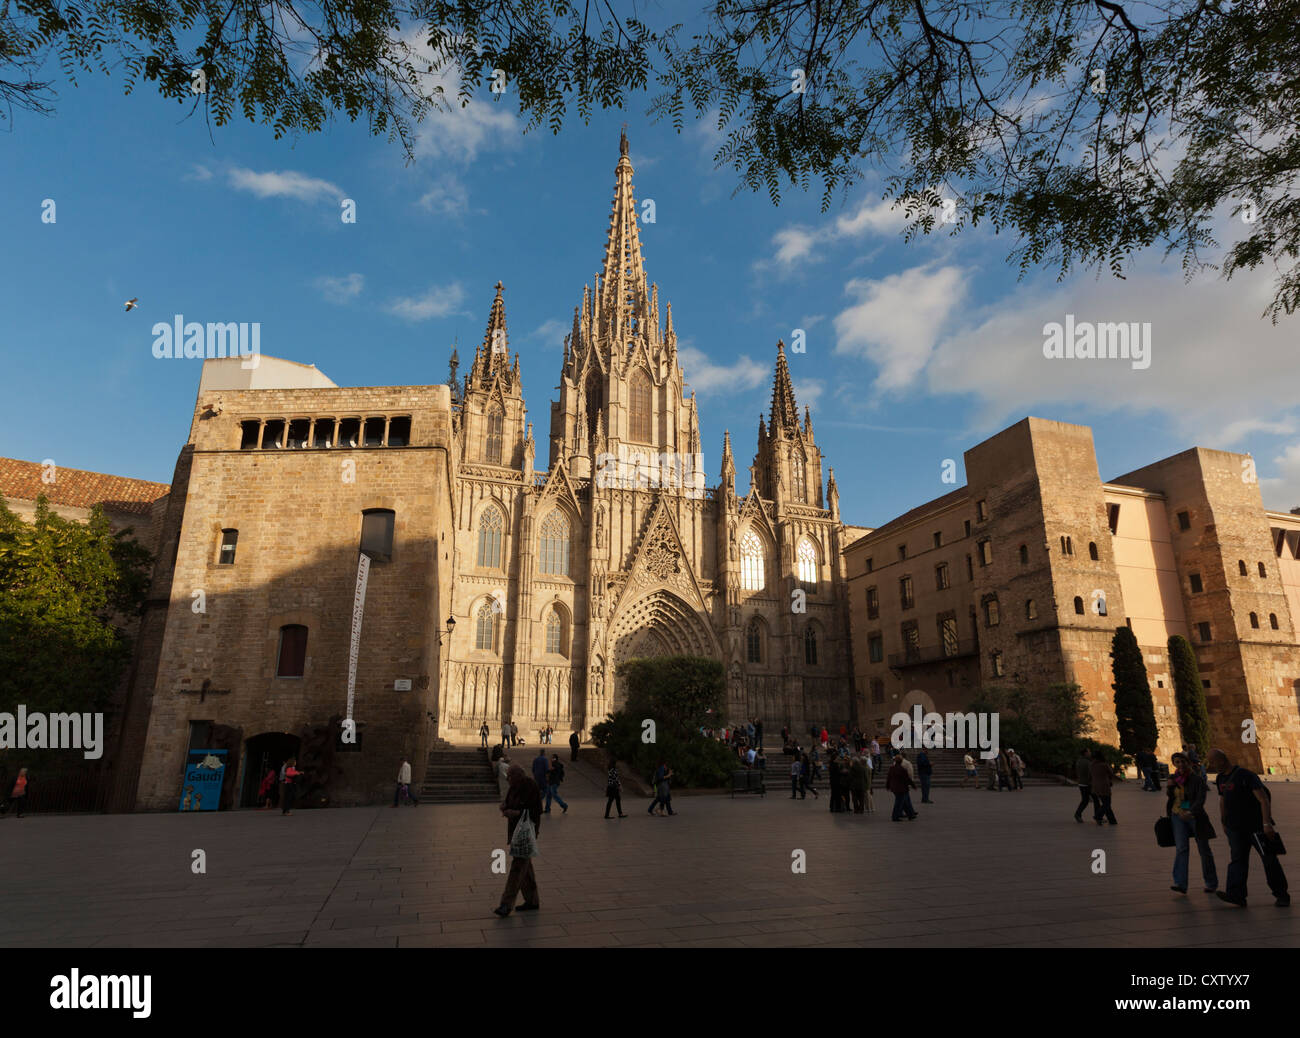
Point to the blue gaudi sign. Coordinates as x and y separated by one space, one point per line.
201 789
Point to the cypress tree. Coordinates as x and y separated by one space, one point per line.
1189 695
1135 715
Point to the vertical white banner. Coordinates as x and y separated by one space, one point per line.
358 607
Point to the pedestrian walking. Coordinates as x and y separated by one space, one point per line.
858 783
289 785
514 734
806 779
1185 806
613 789
969 773
505 734
898 783
925 772
1017 772
663 790
523 810
1004 771
503 774
796 771
993 773
484 732
18 795
1100 782
574 743
1246 813
403 790
554 776
1083 776
541 767
267 788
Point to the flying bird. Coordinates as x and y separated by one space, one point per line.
131 304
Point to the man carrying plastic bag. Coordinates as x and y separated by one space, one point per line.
523 810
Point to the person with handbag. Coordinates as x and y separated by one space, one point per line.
1186 810
613 789
523 810
1246 814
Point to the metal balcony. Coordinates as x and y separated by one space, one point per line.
922 655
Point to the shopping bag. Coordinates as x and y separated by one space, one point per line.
524 843
1164 831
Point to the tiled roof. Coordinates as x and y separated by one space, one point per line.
21 480
921 510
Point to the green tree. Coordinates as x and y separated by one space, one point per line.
67 590
1087 129
677 692
1189 695
1135 715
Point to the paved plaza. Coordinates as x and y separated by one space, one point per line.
977 868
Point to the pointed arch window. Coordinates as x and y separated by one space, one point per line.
754 641
639 424
490 526
810 646
753 564
799 476
553 554
806 562
595 400
495 434
485 627
554 633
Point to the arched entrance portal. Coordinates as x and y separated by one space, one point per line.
261 754
660 624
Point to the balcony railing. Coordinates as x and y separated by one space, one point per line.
934 653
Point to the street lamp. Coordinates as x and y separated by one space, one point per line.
451 626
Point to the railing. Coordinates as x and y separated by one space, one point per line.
922 655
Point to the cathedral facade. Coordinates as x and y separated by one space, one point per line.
615 548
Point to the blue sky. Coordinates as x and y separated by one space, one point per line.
914 351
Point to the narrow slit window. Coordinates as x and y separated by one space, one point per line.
229 538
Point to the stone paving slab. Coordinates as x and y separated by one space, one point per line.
975 870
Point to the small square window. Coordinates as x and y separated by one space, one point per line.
1184 521
1195 581
1203 632
1205 683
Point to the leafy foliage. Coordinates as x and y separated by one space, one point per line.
1087 129
66 590
1135 715
1189 695
677 692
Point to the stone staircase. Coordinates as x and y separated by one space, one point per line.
459 775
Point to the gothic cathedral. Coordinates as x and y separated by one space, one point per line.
617 549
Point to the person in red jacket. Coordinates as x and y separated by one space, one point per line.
289 792
264 790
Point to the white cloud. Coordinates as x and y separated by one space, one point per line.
808 391
704 376
798 243
438 301
283 184
341 290
897 320
198 172
1282 492
446 196
1218 372
552 332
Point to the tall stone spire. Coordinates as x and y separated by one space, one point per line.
785 412
623 299
493 355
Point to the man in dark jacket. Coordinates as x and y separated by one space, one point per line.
1100 779
925 772
541 767
1246 813
523 796
898 783
574 743
1083 775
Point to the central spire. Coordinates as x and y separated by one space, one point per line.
624 300
785 412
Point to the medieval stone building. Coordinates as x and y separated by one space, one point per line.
615 548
